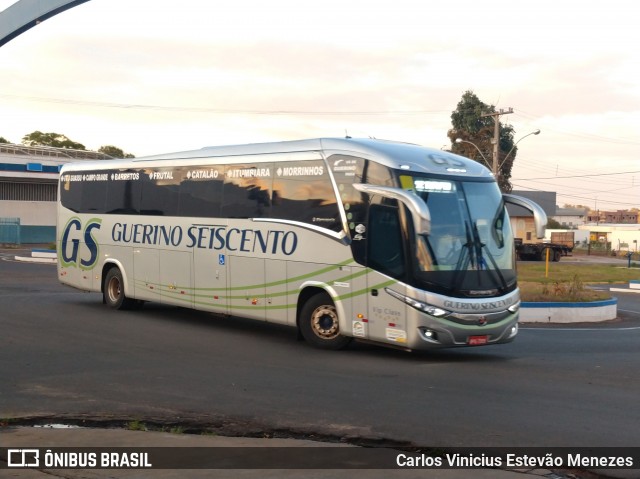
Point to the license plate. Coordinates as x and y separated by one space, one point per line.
477 340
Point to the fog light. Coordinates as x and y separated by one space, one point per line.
429 335
514 330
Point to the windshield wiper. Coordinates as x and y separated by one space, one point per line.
466 256
479 247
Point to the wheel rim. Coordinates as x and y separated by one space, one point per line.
324 322
114 290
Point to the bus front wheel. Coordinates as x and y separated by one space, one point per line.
319 323
113 290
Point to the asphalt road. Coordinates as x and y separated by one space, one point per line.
63 354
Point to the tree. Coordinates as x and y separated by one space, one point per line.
554 224
469 125
114 152
4 140
57 140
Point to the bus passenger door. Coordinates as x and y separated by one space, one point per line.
210 281
386 257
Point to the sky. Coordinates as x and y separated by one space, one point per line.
152 77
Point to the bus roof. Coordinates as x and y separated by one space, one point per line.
393 154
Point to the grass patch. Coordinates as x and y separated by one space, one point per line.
533 272
7 421
568 282
559 292
136 426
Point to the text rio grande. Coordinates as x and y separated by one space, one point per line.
214 237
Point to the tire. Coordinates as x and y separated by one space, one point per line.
556 255
113 291
319 323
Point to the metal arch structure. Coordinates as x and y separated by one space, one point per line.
26 14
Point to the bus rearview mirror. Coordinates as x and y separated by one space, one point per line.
418 208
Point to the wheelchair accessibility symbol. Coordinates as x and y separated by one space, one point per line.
221 259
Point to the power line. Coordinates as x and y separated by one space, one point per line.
221 111
580 197
578 176
581 135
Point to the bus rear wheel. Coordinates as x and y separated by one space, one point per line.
319 323
113 291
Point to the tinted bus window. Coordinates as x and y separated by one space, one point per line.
124 192
348 170
94 192
201 191
302 191
386 252
247 191
84 192
377 174
160 191
71 191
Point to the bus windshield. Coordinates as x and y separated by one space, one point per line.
469 250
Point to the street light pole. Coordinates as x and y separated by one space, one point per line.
535 132
494 164
460 140
496 135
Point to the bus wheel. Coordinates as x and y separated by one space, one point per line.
319 323
113 290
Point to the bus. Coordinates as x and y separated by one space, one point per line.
342 238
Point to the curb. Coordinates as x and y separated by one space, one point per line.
39 256
594 311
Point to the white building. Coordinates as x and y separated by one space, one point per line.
621 237
571 217
28 190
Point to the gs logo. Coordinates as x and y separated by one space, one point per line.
72 236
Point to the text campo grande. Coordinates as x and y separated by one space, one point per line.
548 460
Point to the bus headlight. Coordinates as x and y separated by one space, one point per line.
419 305
514 307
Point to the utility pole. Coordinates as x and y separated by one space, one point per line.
496 136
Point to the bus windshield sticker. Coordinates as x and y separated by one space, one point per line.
434 186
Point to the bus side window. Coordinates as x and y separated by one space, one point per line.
302 191
71 193
247 191
385 252
123 196
94 197
160 194
376 174
201 191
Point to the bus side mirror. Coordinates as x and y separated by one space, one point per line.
418 208
539 216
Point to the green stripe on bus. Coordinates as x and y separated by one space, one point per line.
223 305
266 285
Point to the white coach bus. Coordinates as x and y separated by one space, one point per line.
380 241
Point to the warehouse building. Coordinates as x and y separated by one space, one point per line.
28 190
